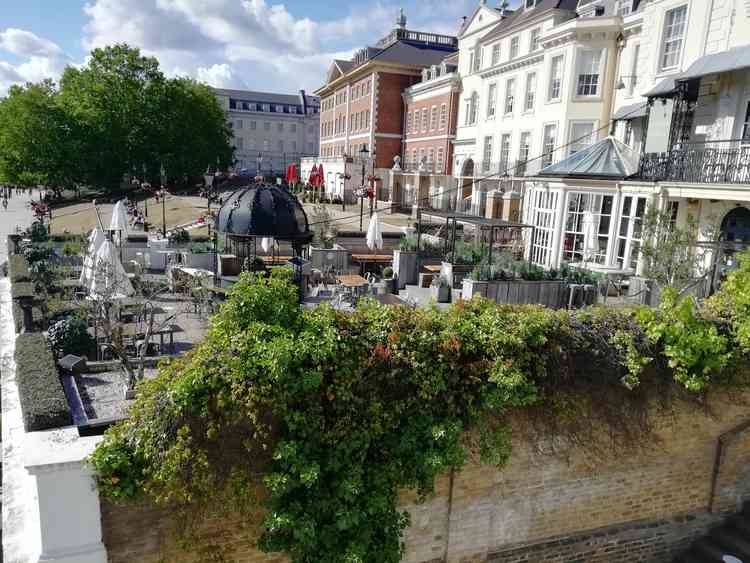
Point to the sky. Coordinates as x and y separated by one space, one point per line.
247 44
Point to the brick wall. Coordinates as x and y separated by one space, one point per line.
563 508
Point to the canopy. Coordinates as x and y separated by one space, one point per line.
632 111
96 238
723 61
108 279
608 159
374 233
119 221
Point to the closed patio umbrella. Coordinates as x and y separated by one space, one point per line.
374 233
108 278
96 238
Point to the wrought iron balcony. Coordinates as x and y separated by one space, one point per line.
715 162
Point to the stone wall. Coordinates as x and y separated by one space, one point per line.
562 508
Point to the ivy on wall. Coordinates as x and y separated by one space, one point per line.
323 416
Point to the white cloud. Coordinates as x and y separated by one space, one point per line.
26 44
219 76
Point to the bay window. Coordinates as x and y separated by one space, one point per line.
544 204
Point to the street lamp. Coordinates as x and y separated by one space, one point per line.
163 195
363 152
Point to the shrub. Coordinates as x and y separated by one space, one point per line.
69 336
38 232
43 401
387 272
178 236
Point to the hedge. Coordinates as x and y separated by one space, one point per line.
18 268
43 401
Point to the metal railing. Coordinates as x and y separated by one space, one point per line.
715 162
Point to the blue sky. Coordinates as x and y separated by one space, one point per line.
256 44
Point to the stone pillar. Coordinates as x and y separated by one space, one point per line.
511 207
396 190
68 516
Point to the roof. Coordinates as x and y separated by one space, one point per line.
606 159
632 111
406 53
726 61
521 16
481 222
267 97
344 66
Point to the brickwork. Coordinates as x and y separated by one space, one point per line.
642 506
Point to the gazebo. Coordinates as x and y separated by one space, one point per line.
262 211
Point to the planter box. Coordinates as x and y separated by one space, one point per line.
455 273
405 268
337 258
470 288
552 294
440 293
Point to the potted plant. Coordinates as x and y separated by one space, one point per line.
390 283
405 263
440 289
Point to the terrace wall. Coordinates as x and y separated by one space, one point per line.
563 508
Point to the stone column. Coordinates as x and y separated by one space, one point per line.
511 207
68 525
494 208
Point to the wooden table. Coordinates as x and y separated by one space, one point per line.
137 332
371 259
351 280
432 268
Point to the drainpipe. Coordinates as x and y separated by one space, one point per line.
613 63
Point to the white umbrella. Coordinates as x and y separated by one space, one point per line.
590 240
374 233
119 221
108 279
266 243
96 238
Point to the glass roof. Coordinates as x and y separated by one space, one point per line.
605 159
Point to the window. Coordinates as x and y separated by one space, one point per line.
471 109
266 144
628 133
487 154
629 231
251 144
588 73
530 92
280 146
675 22
343 123
443 115
549 140
555 78
544 204
430 156
746 125
504 152
421 156
367 118
491 100
279 109
424 119
523 152
239 124
510 87
581 136
408 121
292 109
588 216
495 54
240 143
433 118
253 124
534 39
624 7
440 160
414 161
514 43
477 59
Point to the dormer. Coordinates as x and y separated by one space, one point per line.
530 4
590 8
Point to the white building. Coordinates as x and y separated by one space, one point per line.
682 103
271 130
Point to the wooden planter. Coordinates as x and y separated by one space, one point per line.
405 268
470 288
440 293
552 294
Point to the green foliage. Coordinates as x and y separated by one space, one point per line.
41 276
387 272
116 115
43 401
38 232
732 303
178 236
69 336
326 415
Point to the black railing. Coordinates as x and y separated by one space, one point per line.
726 162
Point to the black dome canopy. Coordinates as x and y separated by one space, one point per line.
264 210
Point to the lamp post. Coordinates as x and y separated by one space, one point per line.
363 152
163 194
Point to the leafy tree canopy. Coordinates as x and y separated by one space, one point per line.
118 115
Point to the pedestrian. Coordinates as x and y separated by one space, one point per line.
5 203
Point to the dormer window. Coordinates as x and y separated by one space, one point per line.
624 7
530 4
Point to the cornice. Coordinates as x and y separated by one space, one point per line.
521 62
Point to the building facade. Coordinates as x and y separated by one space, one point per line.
361 121
271 131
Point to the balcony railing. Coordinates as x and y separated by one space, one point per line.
716 162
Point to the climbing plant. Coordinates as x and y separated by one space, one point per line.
323 416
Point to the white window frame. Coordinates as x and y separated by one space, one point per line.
550 98
577 205
514 50
443 115
598 85
664 40
491 100
524 152
433 118
487 147
530 92
534 41
505 151
571 137
628 241
543 214
510 96
548 150
495 58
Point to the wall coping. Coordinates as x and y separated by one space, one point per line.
58 449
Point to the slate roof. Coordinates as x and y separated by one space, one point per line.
521 16
606 159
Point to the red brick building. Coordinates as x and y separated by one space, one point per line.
430 114
362 104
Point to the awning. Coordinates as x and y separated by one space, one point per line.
632 111
608 159
725 61
663 88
